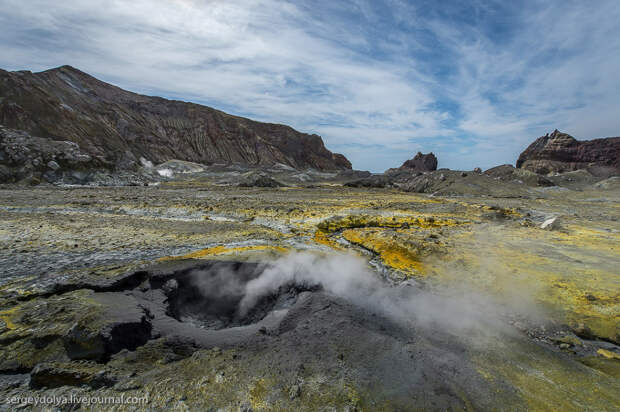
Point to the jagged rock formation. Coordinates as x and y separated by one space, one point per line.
25 156
560 152
420 163
117 128
394 177
507 173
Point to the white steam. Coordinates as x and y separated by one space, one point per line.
349 277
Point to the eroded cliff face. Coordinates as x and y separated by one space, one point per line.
117 127
560 152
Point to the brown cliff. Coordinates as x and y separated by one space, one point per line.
116 127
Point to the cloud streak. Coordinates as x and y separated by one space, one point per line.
378 80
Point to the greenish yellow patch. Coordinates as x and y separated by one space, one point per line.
8 315
258 395
608 354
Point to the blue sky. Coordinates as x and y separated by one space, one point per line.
475 82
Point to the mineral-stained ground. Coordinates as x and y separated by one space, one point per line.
206 297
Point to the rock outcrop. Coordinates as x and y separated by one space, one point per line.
420 163
119 130
559 152
507 173
23 156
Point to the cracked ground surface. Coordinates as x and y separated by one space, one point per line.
88 274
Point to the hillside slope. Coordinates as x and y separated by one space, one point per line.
117 127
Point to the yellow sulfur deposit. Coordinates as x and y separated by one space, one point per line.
223 250
392 253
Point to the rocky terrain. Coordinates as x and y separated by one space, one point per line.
560 152
121 130
244 289
167 251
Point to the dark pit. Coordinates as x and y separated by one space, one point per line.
210 297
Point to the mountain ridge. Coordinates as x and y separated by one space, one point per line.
117 127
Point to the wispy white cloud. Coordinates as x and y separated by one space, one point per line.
377 81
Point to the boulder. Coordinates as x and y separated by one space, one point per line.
53 165
508 173
57 374
124 326
259 180
551 224
377 181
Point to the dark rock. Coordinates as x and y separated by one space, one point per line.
353 174
420 184
584 332
5 174
116 127
27 157
12 381
508 173
377 181
126 327
559 152
421 163
477 170
256 180
54 375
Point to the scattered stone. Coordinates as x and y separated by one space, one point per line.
584 332
551 224
170 286
294 391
